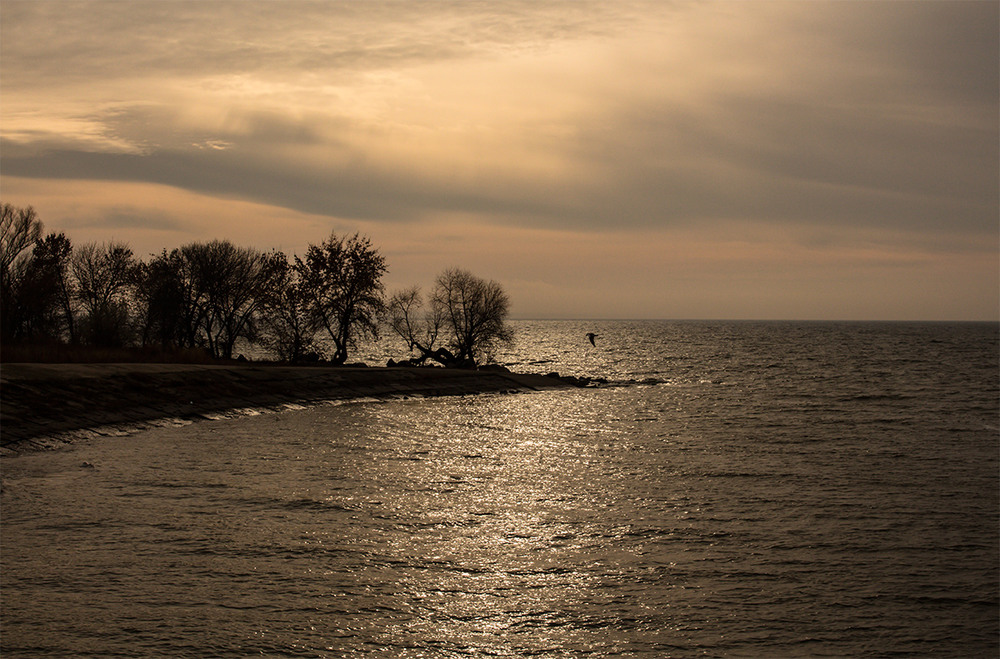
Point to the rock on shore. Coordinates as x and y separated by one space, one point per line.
44 405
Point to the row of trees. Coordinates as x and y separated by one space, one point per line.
214 295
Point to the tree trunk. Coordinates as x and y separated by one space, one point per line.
442 356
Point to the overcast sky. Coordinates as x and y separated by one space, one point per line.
718 159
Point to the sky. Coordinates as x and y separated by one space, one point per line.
730 159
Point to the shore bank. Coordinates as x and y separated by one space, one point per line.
46 405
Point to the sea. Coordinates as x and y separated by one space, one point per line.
734 489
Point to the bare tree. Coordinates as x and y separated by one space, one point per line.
103 275
206 295
164 313
20 229
343 277
223 291
467 313
47 290
419 326
288 327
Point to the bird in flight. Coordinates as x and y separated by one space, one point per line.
591 335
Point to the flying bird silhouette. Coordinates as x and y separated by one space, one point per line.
591 335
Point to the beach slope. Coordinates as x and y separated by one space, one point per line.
46 405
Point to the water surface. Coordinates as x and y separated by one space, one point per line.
740 489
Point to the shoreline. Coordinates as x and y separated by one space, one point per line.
44 406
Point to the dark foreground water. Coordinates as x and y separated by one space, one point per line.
743 489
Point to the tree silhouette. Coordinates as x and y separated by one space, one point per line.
104 275
20 229
211 295
222 287
343 280
165 318
467 313
48 290
288 327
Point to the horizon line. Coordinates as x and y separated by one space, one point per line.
756 320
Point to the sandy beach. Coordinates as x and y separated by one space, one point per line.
47 405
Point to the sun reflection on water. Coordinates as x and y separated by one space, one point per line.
501 528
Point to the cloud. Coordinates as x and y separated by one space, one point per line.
806 132
549 115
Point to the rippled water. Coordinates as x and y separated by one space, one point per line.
739 489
